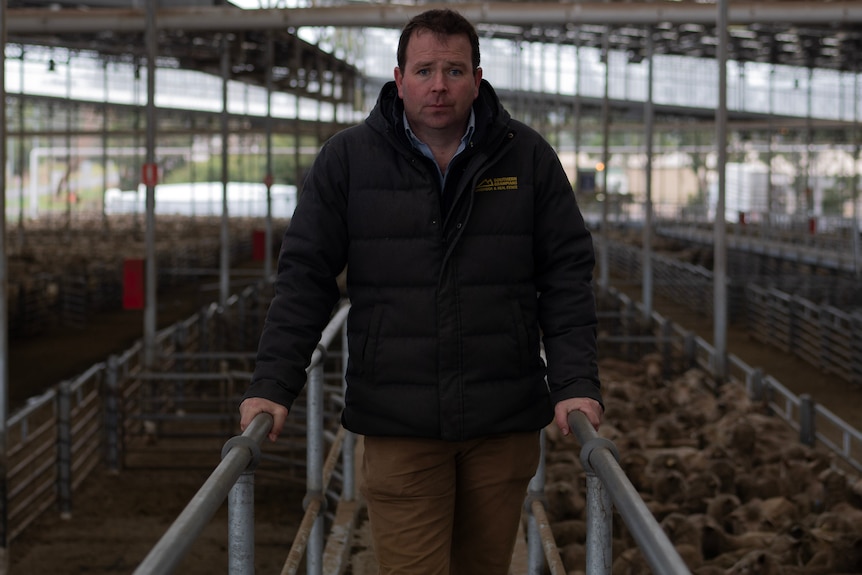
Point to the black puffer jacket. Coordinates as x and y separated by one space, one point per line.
444 328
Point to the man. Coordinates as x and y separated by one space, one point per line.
465 250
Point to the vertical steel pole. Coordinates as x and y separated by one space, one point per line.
599 527
314 468
648 210
720 225
150 303
809 143
104 144
267 250
604 267
68 138
224 277
64 449
21 156
577 110
857 265
240 518
4 343
768 219
348 449
112 416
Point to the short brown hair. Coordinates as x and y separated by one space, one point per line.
443 23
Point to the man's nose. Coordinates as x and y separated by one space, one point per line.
439 81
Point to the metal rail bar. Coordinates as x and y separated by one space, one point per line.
178 539
599 456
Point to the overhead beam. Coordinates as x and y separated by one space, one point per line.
230 19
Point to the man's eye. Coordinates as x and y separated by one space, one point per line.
423 72
456 72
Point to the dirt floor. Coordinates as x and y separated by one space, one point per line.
840 397
117 519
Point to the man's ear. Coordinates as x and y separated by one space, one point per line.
399 78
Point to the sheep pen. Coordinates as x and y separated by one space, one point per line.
730 483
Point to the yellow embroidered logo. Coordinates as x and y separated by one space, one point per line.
497 184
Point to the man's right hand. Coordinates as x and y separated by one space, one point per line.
250 407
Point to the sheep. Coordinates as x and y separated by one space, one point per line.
729 482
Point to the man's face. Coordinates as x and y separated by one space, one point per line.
438 85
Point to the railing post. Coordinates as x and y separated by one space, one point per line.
112 416
690 349
536 490
348 449
180 337
754 382
807 431
600 518
64 449
599 527
314 470
240 519
204 335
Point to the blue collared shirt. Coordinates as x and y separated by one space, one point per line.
426 150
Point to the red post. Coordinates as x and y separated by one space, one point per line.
133 284
258 245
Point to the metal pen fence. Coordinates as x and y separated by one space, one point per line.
55 444
58 438
814 422
824 335
827 338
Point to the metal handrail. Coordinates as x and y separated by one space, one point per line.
240 456
599 456
239 453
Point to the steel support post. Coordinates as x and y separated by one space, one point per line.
605 246
112 416
599 527
4 314
224 247
64 449
348 449
240 518
720 226
150 276
314 460
268 178
649 114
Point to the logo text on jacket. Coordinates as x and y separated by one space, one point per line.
497 184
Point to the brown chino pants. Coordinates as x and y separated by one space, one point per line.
446 508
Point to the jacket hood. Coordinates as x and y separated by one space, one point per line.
388 112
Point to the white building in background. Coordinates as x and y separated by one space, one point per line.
747 190
244 199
